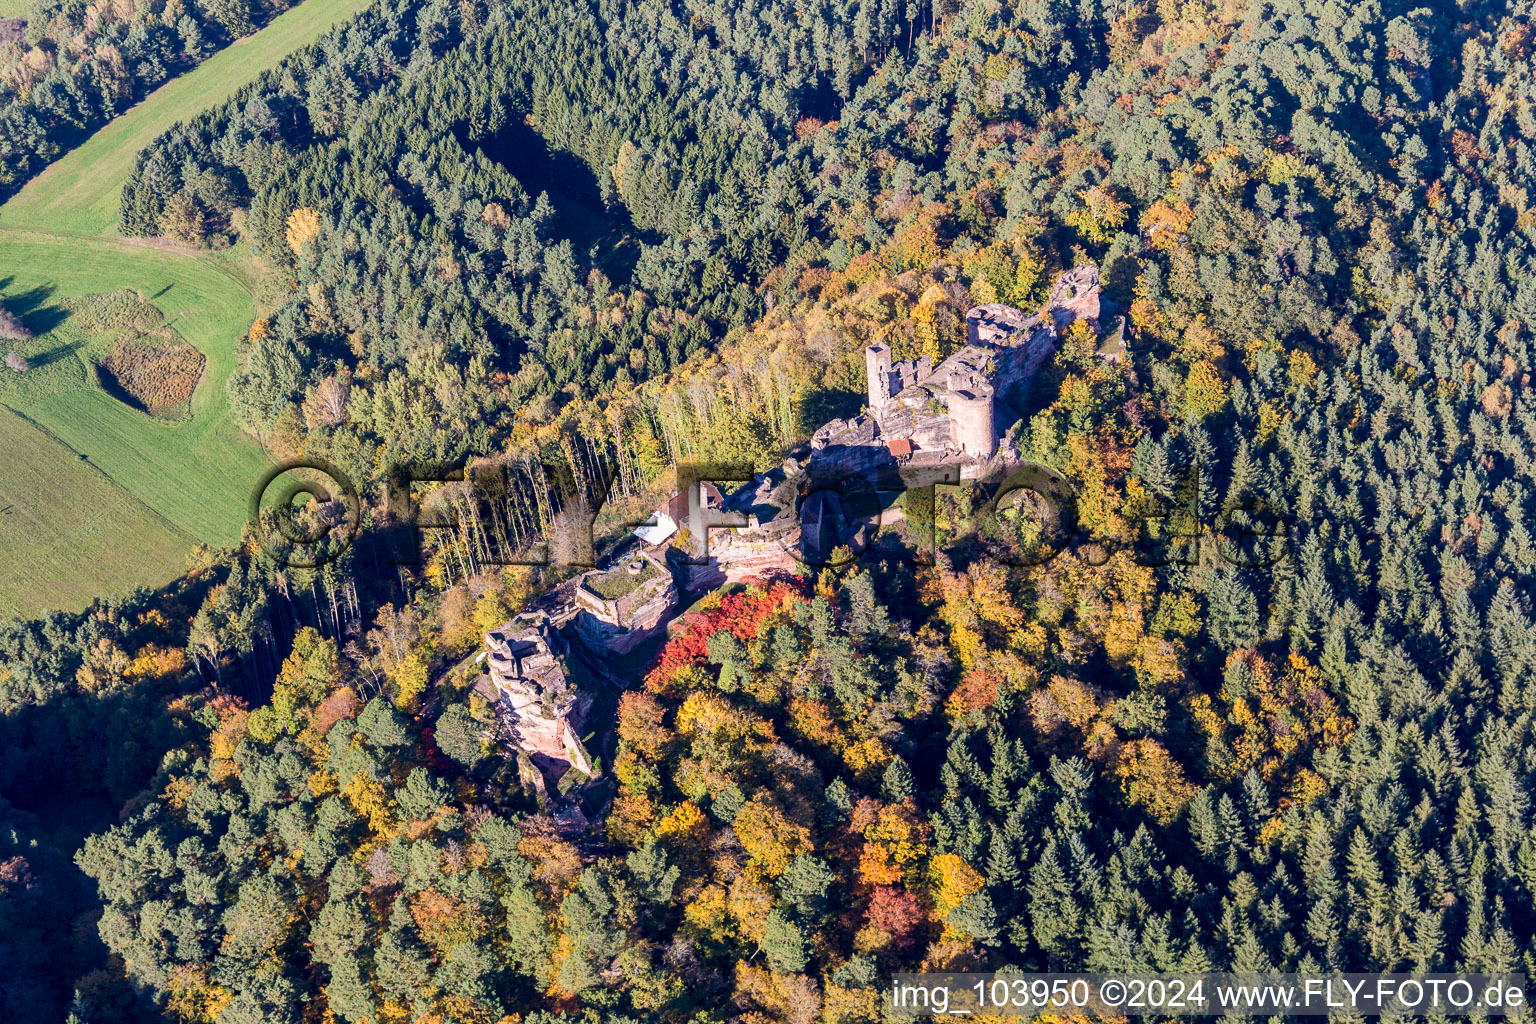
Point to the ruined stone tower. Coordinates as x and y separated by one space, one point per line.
958 412
877 363
970 415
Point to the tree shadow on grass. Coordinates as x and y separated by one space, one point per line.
54 354
33 307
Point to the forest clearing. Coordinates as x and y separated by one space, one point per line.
184 480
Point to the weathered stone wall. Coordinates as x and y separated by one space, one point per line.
538 710
644 607
618 627
1018 364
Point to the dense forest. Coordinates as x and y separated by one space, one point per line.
70 67
418 275
1147 752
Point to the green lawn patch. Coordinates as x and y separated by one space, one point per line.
196 474
68 532
620 582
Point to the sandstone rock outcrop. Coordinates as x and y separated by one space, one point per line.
622 606
539 710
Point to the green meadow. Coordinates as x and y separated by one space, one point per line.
98 497
67 528
188 479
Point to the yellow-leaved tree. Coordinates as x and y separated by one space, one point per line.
309 675
1151 778
1102 214
303 226
1204 390
770 839
952 881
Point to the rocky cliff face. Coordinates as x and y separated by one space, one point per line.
539 710
1075 296
614 619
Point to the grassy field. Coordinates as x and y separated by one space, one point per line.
170 483
14 8
48 559
96 497
78 193
196 473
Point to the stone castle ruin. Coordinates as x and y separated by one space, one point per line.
920 415
622 606
538 708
